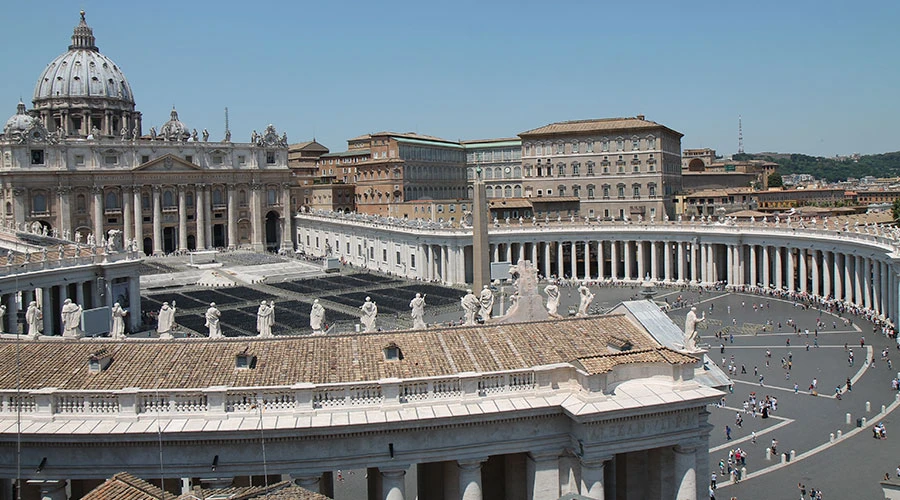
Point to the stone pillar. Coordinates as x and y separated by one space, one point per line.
826 273
704 263
601 261
654 260
801 254
667 261
543 476
97 191
157 221
232 216
592 478
256 217
838 285
858 281
521 252
614 259
51 489
876 286
867 282
681 262
778 269
470 479
182 218
587 260
46 309
12 309
695 262
127 215
729 265
560 270
508 252
814 274
393 484
848 278
640 260
534 255
766 266
138 216
79 294
628 259
200 215
791 278
547 270
754 272
311 483
685 473
573 260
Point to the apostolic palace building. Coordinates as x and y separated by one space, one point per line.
603 406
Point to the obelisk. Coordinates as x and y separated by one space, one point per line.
481 258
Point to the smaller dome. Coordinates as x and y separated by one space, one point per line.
174 129
19 123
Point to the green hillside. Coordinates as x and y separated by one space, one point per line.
830 169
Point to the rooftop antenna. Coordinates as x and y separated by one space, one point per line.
226 120
740 137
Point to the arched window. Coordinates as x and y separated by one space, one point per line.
606 191
517 172
489 190
576 168
217 197
576 190
651 190
145 201
507 192
112 201
517 191
8 208
39 203
271 197
561 169
620 191
637 190
168 199
562 190
80 204
189 199
242 198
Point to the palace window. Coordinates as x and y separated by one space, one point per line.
80 204
112 201
37 156
270 157
39 204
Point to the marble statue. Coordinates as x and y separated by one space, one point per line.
194 137
265 318
165 320
71 319
205 135
417 305
369 312
118 321
254 137
152 133
316 316
584 293
552 292
124 133
470 307
227 136
690 329
212 321
34 319
487 303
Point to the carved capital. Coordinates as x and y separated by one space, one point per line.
157 189
96 189
256 186
286 185
63 190
17 191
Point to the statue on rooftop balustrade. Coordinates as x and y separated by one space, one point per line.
470 307
265 319
212 321
369 313
552 292
165 320
417 305
71 319
118 321
316 317
584 293
34 319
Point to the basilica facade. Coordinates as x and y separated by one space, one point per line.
79 164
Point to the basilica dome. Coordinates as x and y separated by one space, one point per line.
21 122
83 72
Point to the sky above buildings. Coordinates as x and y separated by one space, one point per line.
815 77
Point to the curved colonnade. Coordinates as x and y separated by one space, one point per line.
856 266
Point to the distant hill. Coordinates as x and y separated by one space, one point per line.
831 169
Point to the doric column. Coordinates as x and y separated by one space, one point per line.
704 263
445 264
858 281
534 254
79 294
560 271
814 273
778 269
592 478
667 261
601 267
46 308
681 262
543 476
729 265
12 309
628 258
182 218
876 286
508 252
521 252
848 278
654 260
826 273
127 214
547 270
157 221
614 259
232 217
200 214
685 473
766 266
393 484
470 479
695 262
256 222
838 276
97 191
867 282
496 247
802 257
587 260
310 483
754 272
573 260
138 216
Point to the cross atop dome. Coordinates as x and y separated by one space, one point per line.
83 36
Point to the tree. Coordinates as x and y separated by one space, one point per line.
775 180
895 209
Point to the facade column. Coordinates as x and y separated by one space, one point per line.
628 258
814 272
601 267
592 478
64 210
801 254
393 484
778 269
560 271
232 216
200 215
614 259
867 282
667 261
654 260
791 267
587 260
547 269
470 479
157 221
573 260
127 215
138 208
97 191
256 216
754 274
182 218
543 476
640 260
838 285
685 473
826 274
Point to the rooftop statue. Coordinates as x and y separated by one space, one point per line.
690 329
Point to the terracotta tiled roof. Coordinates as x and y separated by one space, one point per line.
598 125
124 486
605 363
197 363
284 490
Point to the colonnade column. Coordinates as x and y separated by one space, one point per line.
46 303
848 278
791 279
232 216
200 211
826 273
867 282
182 218
51 489
614 259
640 260
876 286
587 260
654 265
592 478
729 265
628 258
508 252
814 261
600 261
138 216
753 275
543 476
801 253
695 265
838 285
573 264
393 484
685 473
547 270
778 267
560 271
704 263
470 479
681 266
667 261
765 266
157 221
97 191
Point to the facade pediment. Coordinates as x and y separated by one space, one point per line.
167 163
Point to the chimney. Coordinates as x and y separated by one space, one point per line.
640 117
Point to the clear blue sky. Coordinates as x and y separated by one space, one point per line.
817 77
